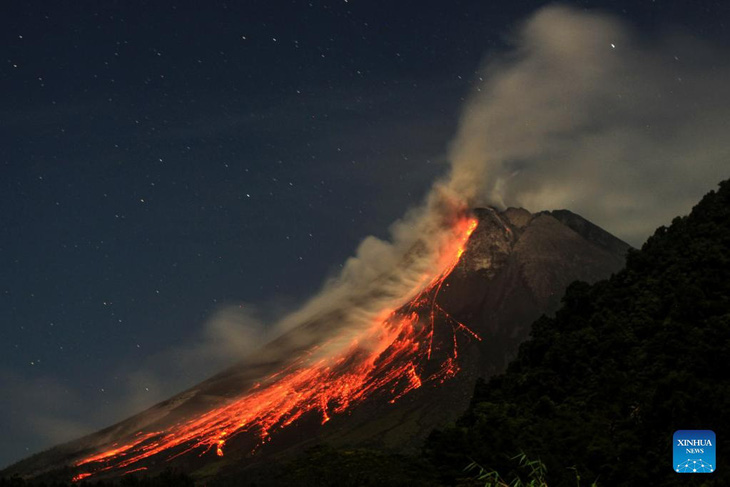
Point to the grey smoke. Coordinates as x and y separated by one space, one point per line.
582 113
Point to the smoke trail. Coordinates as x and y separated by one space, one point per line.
382 275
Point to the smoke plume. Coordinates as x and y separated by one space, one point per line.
584 114
580 113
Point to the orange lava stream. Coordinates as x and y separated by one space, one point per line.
398 347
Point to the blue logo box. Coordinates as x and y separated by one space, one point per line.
694 451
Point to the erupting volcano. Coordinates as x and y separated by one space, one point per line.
391 362
391 357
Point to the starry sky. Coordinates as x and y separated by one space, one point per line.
162 163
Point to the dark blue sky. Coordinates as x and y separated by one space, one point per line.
159 160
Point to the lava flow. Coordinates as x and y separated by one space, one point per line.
392 357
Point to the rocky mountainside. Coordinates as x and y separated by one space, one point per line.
515 267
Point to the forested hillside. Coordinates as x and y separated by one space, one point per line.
603 385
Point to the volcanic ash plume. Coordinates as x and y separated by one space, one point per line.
583 113
579 113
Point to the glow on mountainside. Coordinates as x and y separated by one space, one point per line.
389 357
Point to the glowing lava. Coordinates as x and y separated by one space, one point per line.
391 357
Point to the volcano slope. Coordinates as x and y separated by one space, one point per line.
417 374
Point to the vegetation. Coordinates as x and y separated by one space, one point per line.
324 466
603 385
534 475
531 473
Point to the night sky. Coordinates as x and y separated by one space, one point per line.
164 162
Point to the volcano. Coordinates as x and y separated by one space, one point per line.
385 386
